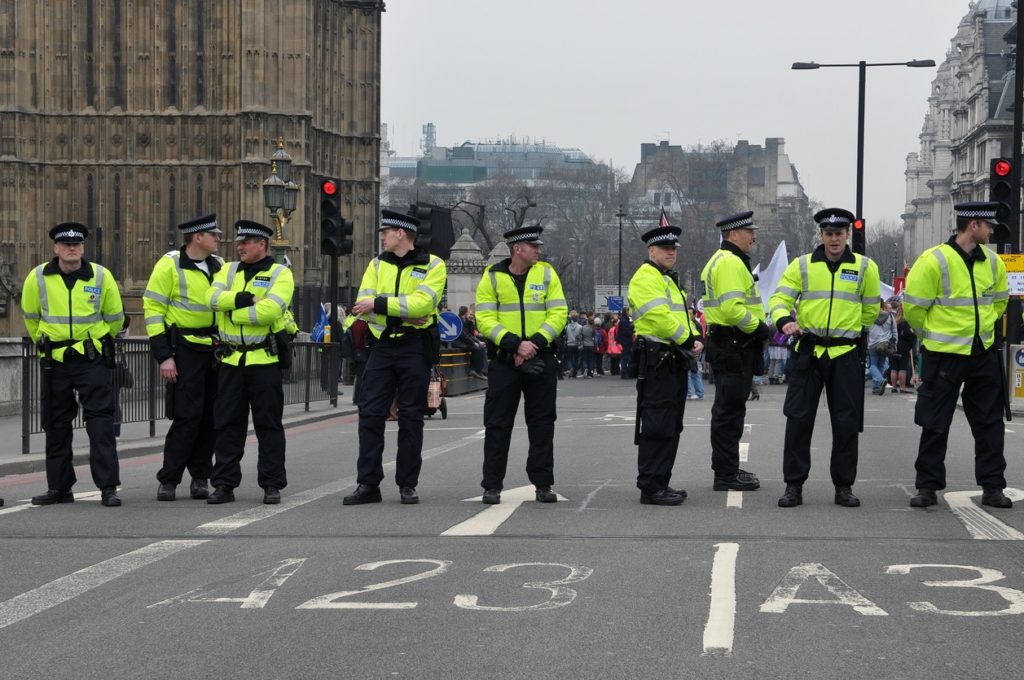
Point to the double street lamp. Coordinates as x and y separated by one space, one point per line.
280 195
862 68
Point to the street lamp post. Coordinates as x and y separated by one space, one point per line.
620 215
862 69
280 195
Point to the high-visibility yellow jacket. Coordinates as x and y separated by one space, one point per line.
176 296
949 303
402 288
506 315
731 297
659 308
244 330
90 309
835 300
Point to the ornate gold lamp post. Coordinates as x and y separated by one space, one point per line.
280 195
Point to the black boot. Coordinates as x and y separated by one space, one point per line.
546 495
923 499
995 498
793 496
165 492
222 494
199 489
363 494
662 497
54 496
845 497
109 498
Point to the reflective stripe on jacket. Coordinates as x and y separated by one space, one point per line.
176 295
243 328
658 307
731 297
539 314
402 289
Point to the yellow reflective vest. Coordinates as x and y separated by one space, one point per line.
731 297
90 309
506 316
176 296
402 289
244 331
948 304
659 308
837 301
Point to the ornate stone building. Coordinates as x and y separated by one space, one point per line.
132 116
968 123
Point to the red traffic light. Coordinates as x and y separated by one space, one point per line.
858 224
1002 168
329 187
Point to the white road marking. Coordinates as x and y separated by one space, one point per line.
718 631
17 508
590 496
979 523
734 499
744 451
785 593
487 521
82 581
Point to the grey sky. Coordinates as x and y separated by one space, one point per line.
606 76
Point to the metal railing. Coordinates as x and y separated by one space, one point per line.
139 389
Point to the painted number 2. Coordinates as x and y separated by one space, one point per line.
330 601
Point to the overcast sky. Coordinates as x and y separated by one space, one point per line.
605 77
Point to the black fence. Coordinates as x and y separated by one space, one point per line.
139 389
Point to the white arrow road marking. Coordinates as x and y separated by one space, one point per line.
71 586
744 451
718 631
734 499
979 523
615 416
487 521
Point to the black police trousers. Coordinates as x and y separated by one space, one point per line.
239 389
190 439
394 368
91 380
505 383
983 393
843 381
661 401
734 375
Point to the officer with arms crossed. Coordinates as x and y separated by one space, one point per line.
666 342
956 293
398 299
521 310
251 298
737 331
181 327
836 296
72 311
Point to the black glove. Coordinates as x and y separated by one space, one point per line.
244 299
532 366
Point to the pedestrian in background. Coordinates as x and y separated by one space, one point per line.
901 373
624 336
881 344
614 348
574 343
588 341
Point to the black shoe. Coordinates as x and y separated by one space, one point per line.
363 494
662 497
165 492
995 498
741 481
408 495
678 492
1 502
199 490
923 499
491 496
54 496
546 495
221 494
845 497
793 496
109 498
271 496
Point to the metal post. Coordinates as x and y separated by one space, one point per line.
620 215
1013 309
26 393
863 71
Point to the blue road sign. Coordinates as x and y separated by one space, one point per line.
450 325
615 303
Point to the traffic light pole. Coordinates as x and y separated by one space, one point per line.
1013 309
862 69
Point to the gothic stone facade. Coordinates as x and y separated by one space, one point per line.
134 115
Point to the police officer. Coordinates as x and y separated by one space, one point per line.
737 331
521 310
398 298
666 342
181 328
955 294
251 299
72 311
836 296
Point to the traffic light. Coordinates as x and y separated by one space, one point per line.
859 240
1000 190
424 215
335 230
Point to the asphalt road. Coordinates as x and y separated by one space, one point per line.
597 586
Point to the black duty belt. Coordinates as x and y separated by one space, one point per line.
208 332
267 343
818 341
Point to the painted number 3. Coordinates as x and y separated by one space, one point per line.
561 594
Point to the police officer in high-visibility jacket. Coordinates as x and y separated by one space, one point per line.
251 299
737 331
520 310
836 296
72 311
398 299
181 328
956 293
666 342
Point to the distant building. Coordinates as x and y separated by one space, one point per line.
969 122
